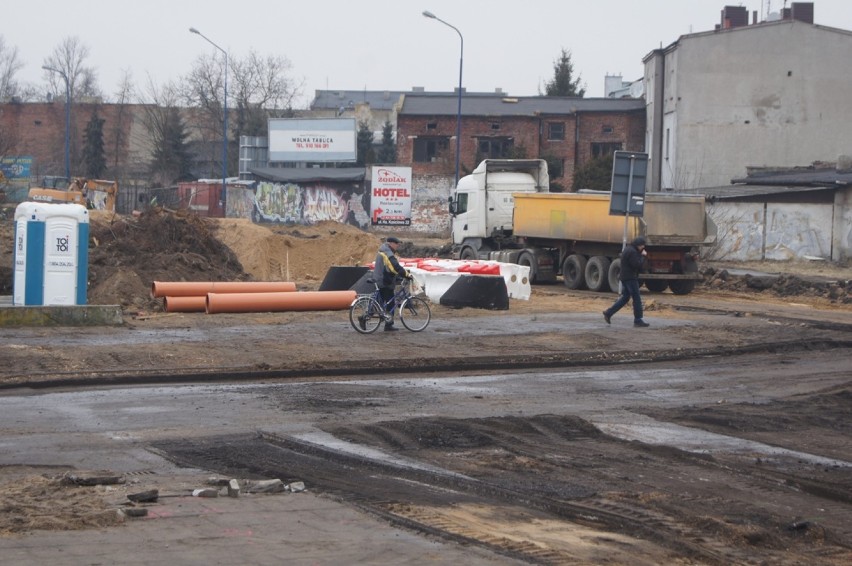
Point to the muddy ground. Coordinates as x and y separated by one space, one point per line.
534 482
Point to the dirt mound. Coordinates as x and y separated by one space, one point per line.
836 290
127 254
298 253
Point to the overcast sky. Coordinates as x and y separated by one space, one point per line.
375 44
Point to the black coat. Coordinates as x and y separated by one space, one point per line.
632 263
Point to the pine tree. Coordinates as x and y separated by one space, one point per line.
366 154
387 153
94 157
564 83
171 157
596 175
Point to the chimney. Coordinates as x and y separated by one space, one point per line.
734 17
803 12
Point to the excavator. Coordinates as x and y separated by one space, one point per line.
94 194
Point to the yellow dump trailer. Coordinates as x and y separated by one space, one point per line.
668 219
503 211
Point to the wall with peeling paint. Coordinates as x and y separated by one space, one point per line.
771 231
842 241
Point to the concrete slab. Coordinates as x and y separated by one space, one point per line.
71 315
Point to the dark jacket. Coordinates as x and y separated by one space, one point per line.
632 262
387 267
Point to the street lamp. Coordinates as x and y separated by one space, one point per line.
67 119
224 122
429 14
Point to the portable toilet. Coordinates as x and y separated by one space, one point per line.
51 254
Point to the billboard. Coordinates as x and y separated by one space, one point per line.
16 167
390 196
312 139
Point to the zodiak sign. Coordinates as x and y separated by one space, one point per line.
390 197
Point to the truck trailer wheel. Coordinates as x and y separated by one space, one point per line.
574 272
614 274
656 285
597 273
684 286
681 286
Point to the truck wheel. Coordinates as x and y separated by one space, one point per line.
597 273
467 254
681 286
574 271
527 260
656 285
614 274
684 286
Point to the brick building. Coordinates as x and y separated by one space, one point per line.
37 130
568 132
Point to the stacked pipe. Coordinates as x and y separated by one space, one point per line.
245 296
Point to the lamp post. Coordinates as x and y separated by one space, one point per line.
67 119
224 121
429 14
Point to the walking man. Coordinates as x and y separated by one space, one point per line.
632 263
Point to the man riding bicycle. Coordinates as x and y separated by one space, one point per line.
385 273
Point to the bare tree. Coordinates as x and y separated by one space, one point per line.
117 136
262 90
70 58
10 64
259 88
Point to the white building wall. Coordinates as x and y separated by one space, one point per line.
771 231
763 95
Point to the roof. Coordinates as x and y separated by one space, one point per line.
731 192
380 99
806 177
490 105
336 99
310 174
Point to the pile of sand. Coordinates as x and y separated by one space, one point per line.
299 253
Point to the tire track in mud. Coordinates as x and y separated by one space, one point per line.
547 470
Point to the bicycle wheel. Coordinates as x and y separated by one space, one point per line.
365 315
415 314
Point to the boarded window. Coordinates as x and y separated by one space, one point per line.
605 149
429 149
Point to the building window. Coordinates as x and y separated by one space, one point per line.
432 126
427 150
494 148
495 125
605 149
607 129
555 131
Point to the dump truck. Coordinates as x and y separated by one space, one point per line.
504 211
95 194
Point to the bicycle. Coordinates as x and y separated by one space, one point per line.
367 312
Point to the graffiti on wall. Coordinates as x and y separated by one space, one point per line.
292 204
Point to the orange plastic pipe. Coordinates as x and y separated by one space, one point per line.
185 304
278 302
201 288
